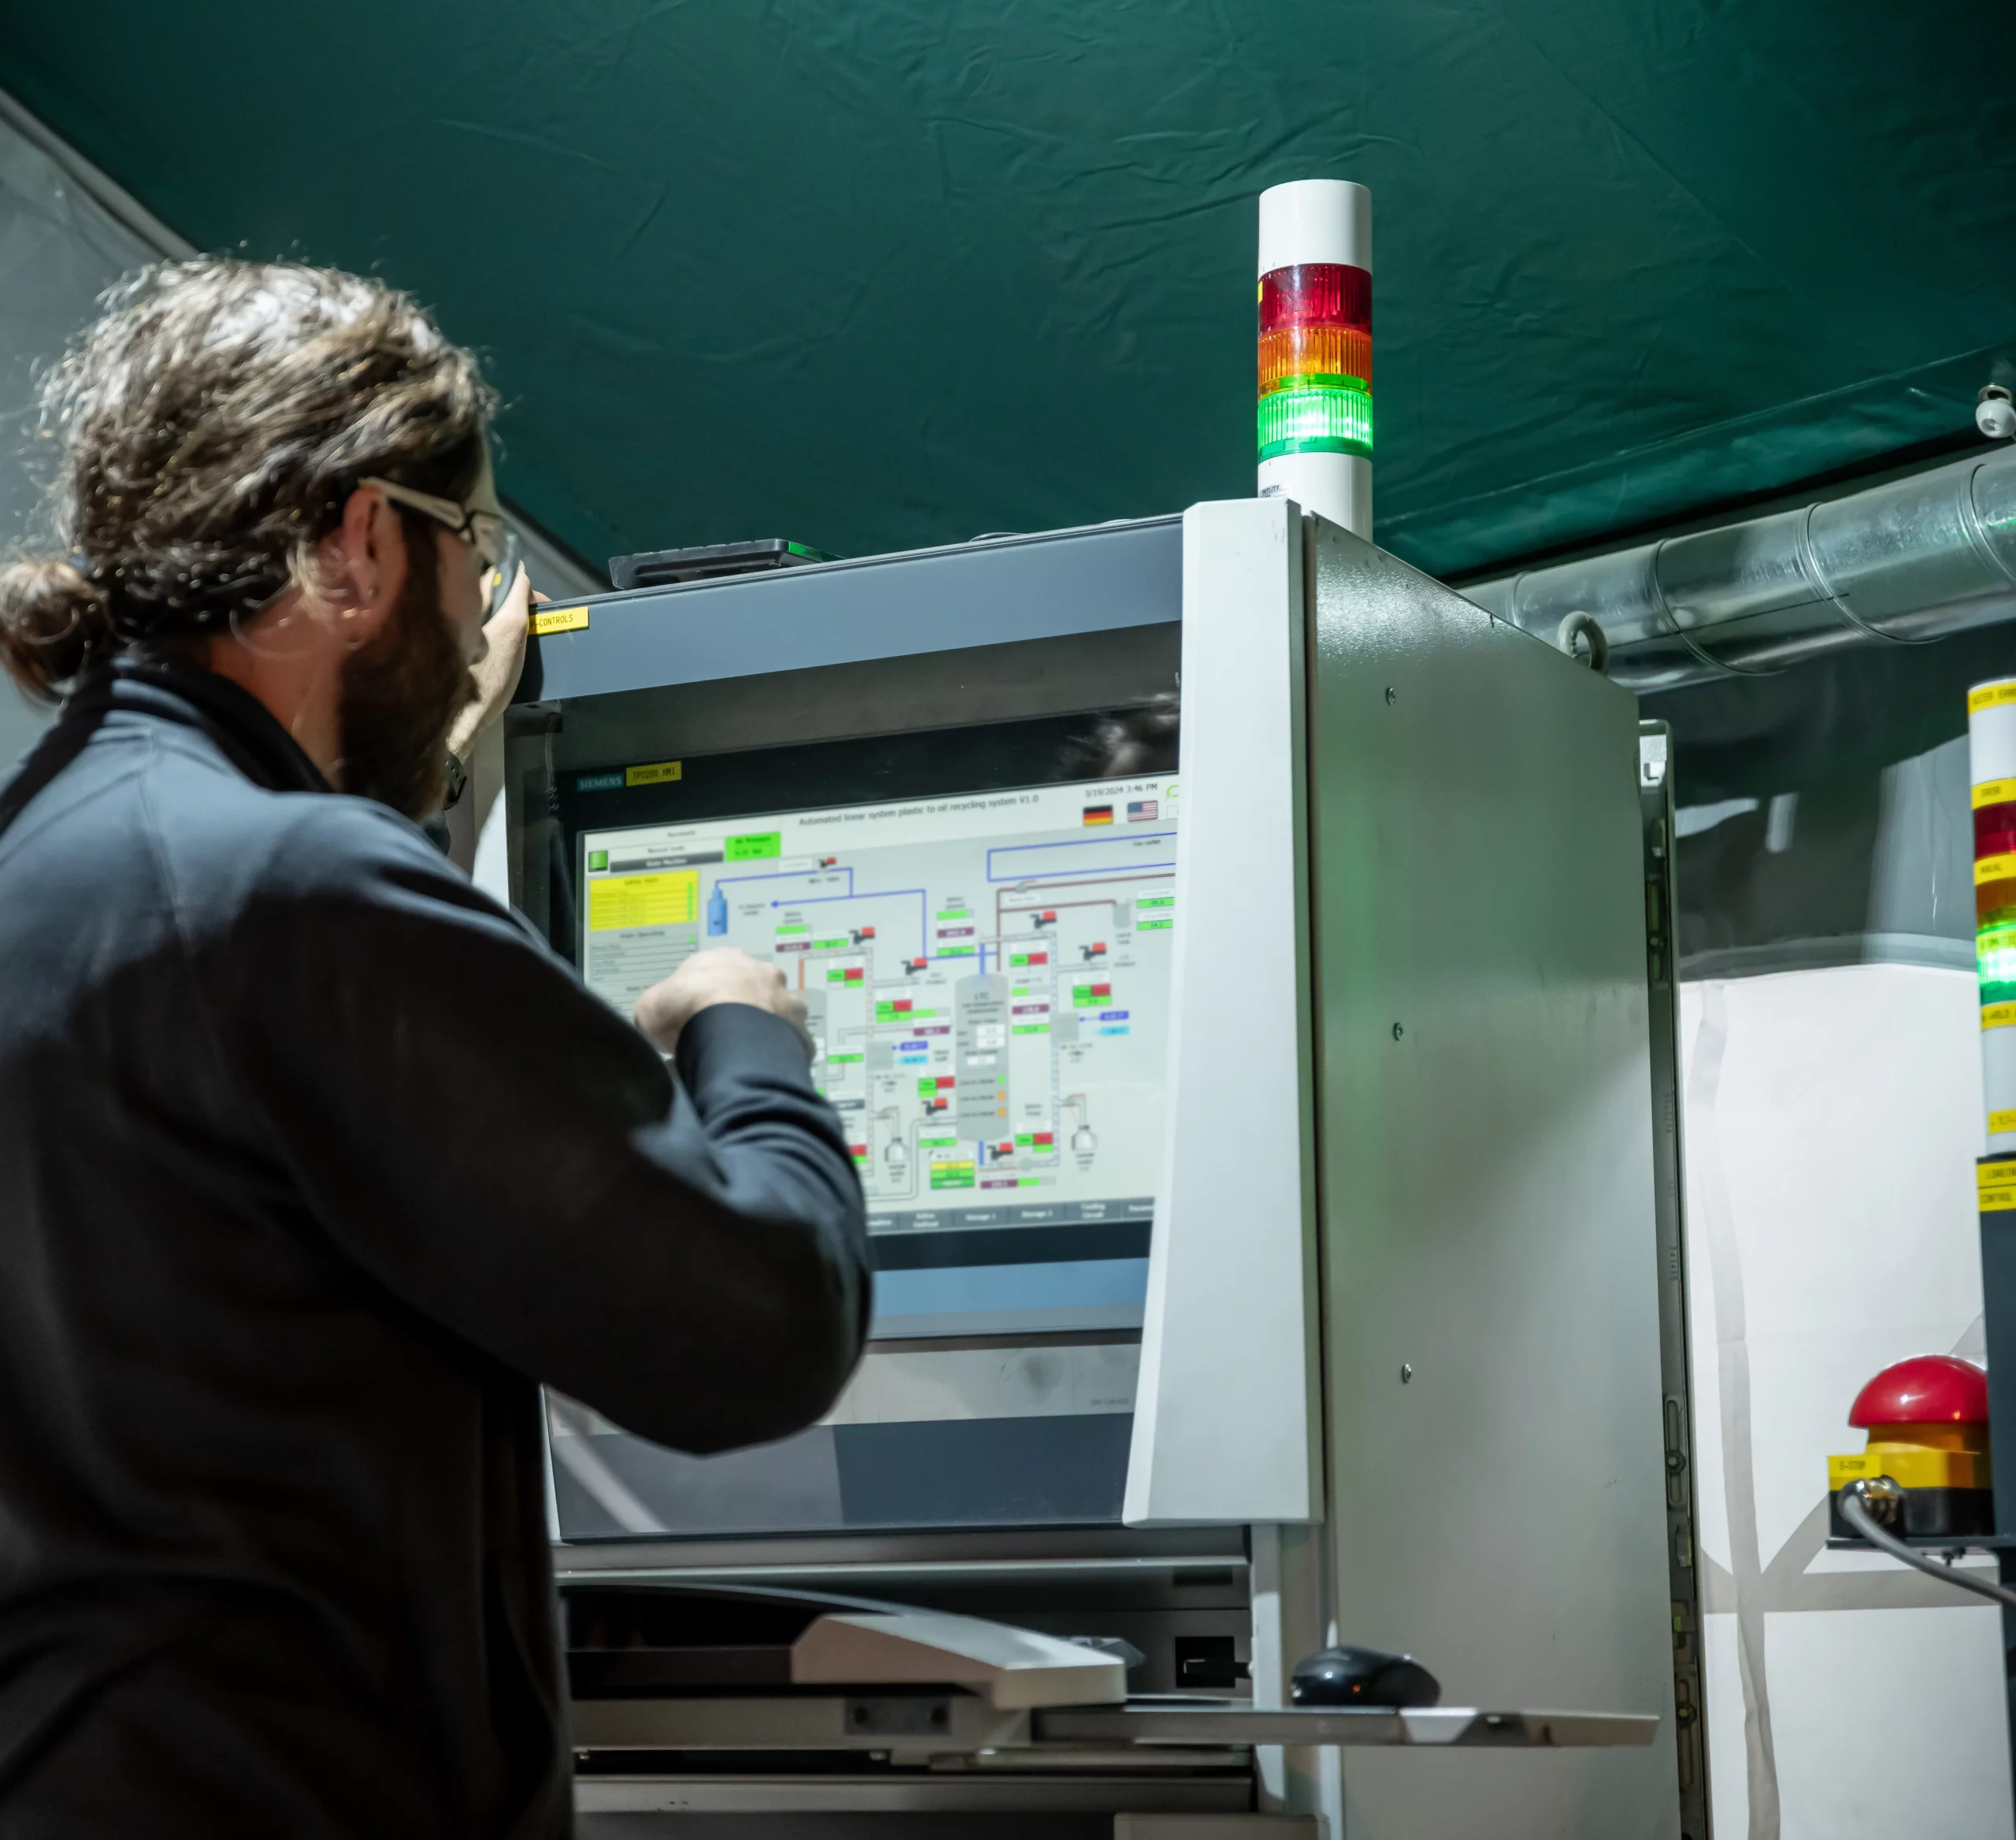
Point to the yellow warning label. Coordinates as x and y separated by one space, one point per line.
1998 1122
668 900
1998 1015
656 774
1985 696
2000 867
1996 1182
1995 792
560 620
1912 1466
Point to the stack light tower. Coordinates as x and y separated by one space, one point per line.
1315 407
1992 756
1992 771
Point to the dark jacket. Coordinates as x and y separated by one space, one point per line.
313 1162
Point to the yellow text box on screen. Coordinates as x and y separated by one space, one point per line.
669 900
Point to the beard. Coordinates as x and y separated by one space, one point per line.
401 694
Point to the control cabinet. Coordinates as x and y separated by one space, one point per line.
1226 949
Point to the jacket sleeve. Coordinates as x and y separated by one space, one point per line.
512 1159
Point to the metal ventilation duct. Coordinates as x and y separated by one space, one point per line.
1903 562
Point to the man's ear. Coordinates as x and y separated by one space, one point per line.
362 566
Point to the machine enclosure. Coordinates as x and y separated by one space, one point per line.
1414 831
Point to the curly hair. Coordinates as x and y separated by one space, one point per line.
207 429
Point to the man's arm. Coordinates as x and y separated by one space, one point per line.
512 1159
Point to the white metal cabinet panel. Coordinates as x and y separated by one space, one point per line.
1225 1425
1491 1326
1833 1118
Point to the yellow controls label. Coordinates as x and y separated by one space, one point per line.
1998 1122
656 774
1996 1184
1998 1015
672 899
560 620
2001 868
1995 792
1986 695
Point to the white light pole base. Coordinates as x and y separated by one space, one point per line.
1335 486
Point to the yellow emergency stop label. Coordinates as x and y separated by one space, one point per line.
668 900
1985 696
656 773
1912 1466
560 620
1996 1184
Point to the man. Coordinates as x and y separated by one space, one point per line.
313 1162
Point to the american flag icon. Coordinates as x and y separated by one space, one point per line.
1140 810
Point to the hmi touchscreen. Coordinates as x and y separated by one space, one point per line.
986 979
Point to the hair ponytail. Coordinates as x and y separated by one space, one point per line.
53 623
207 431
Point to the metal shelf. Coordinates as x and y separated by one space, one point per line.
1150 1722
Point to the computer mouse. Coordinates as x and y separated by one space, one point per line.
1361 1677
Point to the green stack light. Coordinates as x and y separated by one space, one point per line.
1325 418
1995 954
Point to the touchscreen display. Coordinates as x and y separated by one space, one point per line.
986 977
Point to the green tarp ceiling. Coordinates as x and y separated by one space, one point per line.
881 274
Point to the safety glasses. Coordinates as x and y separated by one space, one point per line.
481 527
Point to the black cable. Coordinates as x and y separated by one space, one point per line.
1855 1512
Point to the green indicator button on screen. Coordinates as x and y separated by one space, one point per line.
755 847
598 859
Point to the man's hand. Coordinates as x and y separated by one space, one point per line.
498 671
722 975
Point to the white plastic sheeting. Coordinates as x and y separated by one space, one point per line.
60 249
1831 1129
67 233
